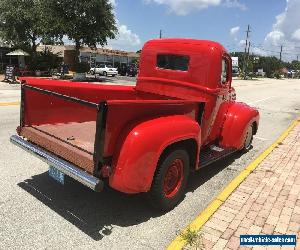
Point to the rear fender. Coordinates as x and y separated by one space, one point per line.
238 118
140 149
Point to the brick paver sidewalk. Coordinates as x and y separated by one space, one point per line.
267 202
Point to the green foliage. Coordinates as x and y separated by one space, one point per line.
25 22
20 22
45 61
269 64
136 61
192 238
86 22
276 75
295 65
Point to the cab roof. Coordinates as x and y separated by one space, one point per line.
186 41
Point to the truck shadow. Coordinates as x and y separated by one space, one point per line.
93 213
204 174
96 213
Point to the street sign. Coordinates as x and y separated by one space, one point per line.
10 73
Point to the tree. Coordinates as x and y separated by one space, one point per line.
295 65
270 64
20 22
86 22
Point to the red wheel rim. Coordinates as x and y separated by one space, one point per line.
173 178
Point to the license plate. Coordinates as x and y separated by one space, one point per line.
57 175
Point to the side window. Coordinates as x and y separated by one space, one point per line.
173 62
224 74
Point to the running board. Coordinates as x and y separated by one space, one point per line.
214 153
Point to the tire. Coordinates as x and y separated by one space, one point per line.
105 74
169 182
92 72
248 140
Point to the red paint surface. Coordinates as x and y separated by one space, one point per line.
173 178
141 146
161 110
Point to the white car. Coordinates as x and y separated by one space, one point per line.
103 69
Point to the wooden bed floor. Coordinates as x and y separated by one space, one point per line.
81 135
73 141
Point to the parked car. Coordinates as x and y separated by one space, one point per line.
104 69
181 116
128 70
132 70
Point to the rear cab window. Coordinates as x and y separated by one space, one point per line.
173 62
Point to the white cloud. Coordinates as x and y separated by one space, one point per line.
275 37
234 4
113 3
234 30
296 35
183 7
258 51
286 31
242 42
125 40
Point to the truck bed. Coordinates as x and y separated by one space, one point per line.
83 123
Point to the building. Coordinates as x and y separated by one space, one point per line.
91 56
235 66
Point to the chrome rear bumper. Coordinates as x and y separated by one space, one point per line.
62 165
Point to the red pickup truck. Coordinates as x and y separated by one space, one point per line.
180 116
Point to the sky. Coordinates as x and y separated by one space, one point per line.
273 23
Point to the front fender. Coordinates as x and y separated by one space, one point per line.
239 116
135 163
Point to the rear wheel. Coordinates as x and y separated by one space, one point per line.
105 73
92 72
248 139
170 180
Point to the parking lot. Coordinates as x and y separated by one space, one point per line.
36 212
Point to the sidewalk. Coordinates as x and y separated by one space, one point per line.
267 202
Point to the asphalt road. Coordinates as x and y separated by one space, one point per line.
38 213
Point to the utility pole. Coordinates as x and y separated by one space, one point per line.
248 54
245 54
248 50
160 34
280 52
297 59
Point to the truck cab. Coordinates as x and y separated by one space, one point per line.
181 116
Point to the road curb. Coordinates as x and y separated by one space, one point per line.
9 103
203 217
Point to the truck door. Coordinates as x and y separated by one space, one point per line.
221 100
